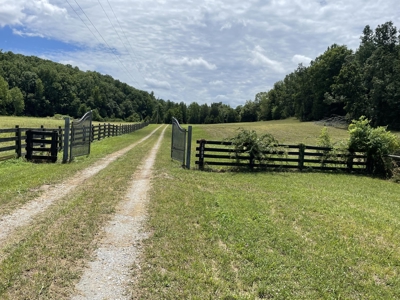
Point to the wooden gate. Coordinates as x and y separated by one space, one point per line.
37 141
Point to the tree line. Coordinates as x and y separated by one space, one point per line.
32 86
341 82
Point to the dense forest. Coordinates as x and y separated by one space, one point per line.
338 82
36 87
342 82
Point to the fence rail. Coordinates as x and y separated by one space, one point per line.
13 140
300 157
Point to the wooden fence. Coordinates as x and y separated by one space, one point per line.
13 140
300 157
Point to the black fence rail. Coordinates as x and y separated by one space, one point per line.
300 157
13 140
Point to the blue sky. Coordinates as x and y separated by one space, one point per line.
204 51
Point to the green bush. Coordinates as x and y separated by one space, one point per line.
377 143
258 148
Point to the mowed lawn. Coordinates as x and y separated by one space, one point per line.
272 235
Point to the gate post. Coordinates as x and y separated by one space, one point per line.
189 147
66 141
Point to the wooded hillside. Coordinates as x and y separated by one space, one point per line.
342 82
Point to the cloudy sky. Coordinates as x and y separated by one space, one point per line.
186 50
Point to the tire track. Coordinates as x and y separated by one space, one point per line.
108 276
24 215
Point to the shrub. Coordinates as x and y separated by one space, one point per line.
377 143
258 148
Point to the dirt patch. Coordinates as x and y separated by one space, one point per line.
24 215
109 275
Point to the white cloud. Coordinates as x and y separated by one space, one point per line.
260 59
10 13
153 83
196 62
297 59
221 97
216 82
226 26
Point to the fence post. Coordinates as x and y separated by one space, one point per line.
251 160
350 161
66 141
60 139
29 145
302 148
54 146
18 143
189 147
43 138
201 154
109 129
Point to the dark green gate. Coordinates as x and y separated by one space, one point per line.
180 145
81 136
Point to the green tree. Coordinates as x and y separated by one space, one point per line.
4 96
16 99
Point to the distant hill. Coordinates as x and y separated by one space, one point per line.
32 86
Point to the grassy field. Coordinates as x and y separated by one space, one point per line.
289 131
32 122
214 235
270 235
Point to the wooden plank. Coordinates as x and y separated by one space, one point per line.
42 157
8 139
8 130
318 148
8 148
7 157
39 141
215 142
41 149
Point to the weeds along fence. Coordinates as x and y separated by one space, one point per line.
13 140
299 157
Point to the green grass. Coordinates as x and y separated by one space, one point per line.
46 259
33 122
19 179
269 235
289 131
214 235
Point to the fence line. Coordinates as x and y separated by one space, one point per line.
13 140
300 157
